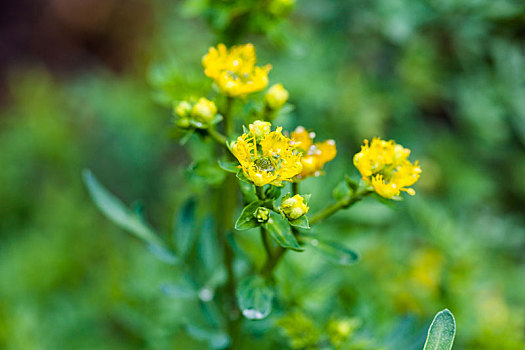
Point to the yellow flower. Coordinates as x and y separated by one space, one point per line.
204 110
384 165
276 96
315 155
234 70
265 156
294 207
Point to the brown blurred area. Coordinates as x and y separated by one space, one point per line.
71 35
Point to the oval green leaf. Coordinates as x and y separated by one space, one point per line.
255 296
441 332
280 231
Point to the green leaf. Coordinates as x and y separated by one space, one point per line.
301 222
207 171
255 296
280 231
341 190
441 332
231 167
163 254
117 212
184 228
218 118
216 339
333 251
246 220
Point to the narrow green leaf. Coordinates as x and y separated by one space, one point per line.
248 191
231 167
280 231
441 332
301 222
216 339
163 254
255 297
117 212
184 228
246 220
333 251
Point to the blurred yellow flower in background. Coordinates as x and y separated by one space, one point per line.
265 156
384 165
234 70
314 155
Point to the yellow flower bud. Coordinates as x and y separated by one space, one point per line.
260 129
183 109
294 207
276 96
262 214
204 110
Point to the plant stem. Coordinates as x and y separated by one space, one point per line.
259 192
344 202
217 136
295 188
229 122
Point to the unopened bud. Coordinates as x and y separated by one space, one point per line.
183 109
276 96
204 110
294 207
262 214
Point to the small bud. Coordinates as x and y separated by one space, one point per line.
294 207
204 110
183 109
260 129
276 96
281 7
262 214
182 122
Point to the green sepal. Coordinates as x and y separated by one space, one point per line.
301 222
333 251
280 231
272 192
354 185
342 190
231 167
240 175
441 332
255 295
247 219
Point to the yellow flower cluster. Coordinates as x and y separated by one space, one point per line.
384 165
314 155
234 70
265 156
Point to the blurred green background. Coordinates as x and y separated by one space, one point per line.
89 84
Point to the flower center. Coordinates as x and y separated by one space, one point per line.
264 163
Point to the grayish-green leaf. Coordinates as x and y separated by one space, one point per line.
117 212
441 332
301 222
184 228
247 220
231 167
333 251
255 296
242 177
163 254
280 231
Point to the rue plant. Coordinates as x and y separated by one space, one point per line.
263 167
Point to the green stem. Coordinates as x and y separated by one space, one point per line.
295 188
266 243
229 122
344 202
259 192
217 136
